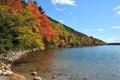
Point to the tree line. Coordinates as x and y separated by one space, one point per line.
26 26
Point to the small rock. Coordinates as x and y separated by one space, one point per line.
3 69
85 78
59 74
54 77
15 76
9 65
6 67
37 78
3 64
7 73
1 72
34 73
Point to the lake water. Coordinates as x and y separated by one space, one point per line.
87 63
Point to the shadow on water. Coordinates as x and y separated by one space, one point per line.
39 61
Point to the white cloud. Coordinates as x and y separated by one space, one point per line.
118 12
62 21
74 20
73 15
92 30
68 2
115 27
60 9
87 30
113 40
70 13
100 30
117 7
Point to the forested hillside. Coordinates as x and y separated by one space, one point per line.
69 37
26 26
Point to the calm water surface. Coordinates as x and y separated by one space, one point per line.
87 63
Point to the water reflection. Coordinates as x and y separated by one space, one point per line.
89 63
39 61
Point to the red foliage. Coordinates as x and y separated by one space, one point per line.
14 5
43 22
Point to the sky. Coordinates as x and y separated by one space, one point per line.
97 18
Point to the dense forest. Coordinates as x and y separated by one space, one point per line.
26 26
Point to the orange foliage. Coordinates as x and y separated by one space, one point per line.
43 22
14 5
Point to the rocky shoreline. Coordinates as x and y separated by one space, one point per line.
7 74
13 56
6 62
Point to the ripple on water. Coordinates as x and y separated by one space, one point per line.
89 63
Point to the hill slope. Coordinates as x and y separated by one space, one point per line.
26 26
72 38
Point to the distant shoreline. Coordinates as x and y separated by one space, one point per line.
113 43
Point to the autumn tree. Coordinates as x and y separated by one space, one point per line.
3 2
26 26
